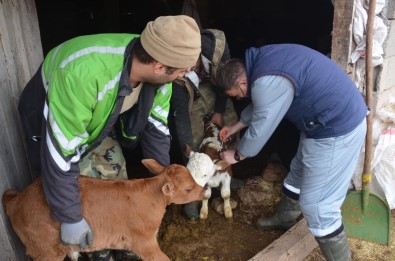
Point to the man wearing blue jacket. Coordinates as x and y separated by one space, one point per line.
302 85
83 87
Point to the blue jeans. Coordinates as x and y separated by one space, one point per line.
321 173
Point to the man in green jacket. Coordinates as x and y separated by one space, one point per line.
70 106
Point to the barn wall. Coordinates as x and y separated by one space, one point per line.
384 78
20 56
342 41
385 98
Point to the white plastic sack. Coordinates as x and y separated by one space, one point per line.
359 33
387 113
384 164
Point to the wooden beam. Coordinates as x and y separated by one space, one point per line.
294 245
342 38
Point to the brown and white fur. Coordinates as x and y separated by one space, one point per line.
211 145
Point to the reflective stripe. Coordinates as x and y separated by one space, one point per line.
62 139
163 89
52 60
44 79
323 232
161 105
64 143
110 85
293 189
161 111
124 134
62 164
159 125
45 110
89 50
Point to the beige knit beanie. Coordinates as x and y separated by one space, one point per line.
173 40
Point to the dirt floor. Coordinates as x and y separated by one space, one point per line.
238 239
215 238
219 239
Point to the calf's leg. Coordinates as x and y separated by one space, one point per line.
225 194
204 208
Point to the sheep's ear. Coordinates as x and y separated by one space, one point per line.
168 189
153 166
188 151
221 164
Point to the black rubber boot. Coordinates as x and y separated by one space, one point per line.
191 210
236 183
285 217
101 255
123 255
335 248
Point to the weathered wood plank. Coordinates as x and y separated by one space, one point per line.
293 245
5 246
12 152
20 56
342 39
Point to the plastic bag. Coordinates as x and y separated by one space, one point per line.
384 164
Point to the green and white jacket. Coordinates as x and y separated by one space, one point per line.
86 80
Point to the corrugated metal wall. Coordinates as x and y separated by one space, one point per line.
20 56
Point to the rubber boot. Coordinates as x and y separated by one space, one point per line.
191 210
335 248
101 255
285 217
123 255
236 183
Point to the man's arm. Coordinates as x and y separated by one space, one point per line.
155 144
179 104
60 187
64 137
271 98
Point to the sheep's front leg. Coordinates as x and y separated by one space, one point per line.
225 194
204 208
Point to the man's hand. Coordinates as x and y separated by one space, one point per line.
217 118
228 131
77 234
228 156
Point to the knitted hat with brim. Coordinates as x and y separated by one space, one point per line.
173 40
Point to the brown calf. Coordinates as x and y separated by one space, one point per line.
122 214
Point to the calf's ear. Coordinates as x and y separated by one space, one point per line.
188 151
168 189
153 166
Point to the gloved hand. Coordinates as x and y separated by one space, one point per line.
76 233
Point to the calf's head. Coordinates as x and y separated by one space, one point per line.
201 166
211 143
179 187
